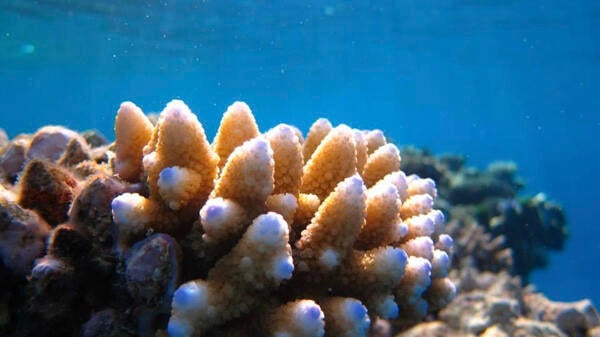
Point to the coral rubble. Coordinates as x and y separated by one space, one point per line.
494 304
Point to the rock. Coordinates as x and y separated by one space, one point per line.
48 189
12 159
49 142
22 237
573 318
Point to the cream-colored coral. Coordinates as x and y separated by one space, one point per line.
330 235
325 231
345 317
241 191
285 204
371 275
247 178
287 155
308 204
257 264
132 132
384 160
179 141
416 204
375 139
382 223
301 318
180 168
237 126
332 161
362 151
320 128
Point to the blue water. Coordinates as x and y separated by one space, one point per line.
493 79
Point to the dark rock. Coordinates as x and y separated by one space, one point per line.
47 189
22 237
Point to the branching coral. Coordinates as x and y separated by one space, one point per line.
257 234
179 165
327 230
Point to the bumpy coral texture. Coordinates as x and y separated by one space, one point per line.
297 238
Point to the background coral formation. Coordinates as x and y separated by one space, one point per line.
487 203
500 237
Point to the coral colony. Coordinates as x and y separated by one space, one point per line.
257 233
162 233
306 240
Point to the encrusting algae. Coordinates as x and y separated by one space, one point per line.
256 234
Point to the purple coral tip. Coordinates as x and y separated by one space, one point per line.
357 310
400 256
213 211
168 175
313 312
116 204
177 329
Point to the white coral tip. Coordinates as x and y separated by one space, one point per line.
170 176
283 266
259 147
391 261
438 219
171 185
353 187
329 259
190 297
310 318
178 328
149 161
399 231
178 110
440 264
421 246
269 229
445 243
218 214
419 270
124 208
356 313
237 107
388 309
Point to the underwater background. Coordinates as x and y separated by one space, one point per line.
493 80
